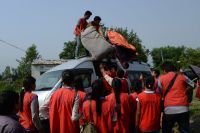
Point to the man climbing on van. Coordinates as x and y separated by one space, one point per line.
80 27
96 24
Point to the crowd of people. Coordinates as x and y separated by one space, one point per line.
114 104
111 107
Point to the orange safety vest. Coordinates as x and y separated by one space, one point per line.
82 26
124 83
107 86
149 111
198 91
133 108
123 122
102 122
177 95
134 95
25 117
60 112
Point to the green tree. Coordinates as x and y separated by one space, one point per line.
0 77
190 56
24 68
168 53
69 50
7 74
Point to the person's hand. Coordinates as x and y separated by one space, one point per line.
101 67
141 77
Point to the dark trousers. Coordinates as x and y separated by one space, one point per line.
169 120
151 132
46 125
28 131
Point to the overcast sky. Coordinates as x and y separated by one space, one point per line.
49 23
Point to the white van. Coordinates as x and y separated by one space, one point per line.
84 68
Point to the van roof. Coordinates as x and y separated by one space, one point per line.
70 64
139 66
73 63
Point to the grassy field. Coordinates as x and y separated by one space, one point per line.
195 105
195 115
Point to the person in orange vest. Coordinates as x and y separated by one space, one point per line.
96 24
124 82
98 110
80 27
125 65
106 78
115 73
121 102
63 107
136 89
9 106
198 90
29 107
155 73
148 109
78 84
176 106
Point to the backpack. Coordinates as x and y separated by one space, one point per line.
89 126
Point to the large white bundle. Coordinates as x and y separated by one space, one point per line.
95 43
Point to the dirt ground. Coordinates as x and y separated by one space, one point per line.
195 124
194 116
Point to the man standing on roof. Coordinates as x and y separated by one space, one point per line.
96 24
80 27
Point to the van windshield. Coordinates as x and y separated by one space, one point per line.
48 80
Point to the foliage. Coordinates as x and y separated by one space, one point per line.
7 85
190 56
168 53
180 56
69 50
9 74
24 68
